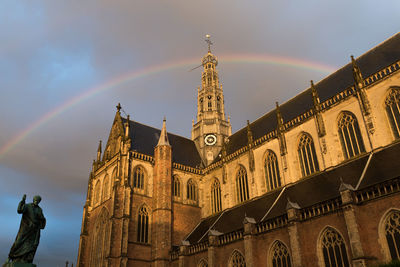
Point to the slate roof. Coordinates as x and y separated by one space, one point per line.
317 188
371 62
145 138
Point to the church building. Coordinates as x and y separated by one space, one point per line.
313 182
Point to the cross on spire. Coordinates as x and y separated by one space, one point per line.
208 41
119 107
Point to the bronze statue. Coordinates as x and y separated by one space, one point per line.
24 248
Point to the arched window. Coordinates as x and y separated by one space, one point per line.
307 155
280 255
100 240
271 169
97 192
333 249
143 225
216 196
202 263
392 233
138 178
237 260
106 188
242 187
209 105
350 135
201 104
176 188
191 190
393 110
218 103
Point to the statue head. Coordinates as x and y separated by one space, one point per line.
36 200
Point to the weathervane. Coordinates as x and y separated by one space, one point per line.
208 41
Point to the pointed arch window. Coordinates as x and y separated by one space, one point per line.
334 249
242 187
280 255
100 240
106 188
201 104
237 260
216 196
97 192
191 191
392 233
393 110
176 189
271 168
143 225
308 157
138 178
350 135
202 263
218 103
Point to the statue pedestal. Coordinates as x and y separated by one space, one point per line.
18 264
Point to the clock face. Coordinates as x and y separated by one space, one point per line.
210 139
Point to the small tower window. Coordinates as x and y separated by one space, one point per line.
350 135
307 155
218 103
143 225
201 104
176 187
393 110
242 187
209 105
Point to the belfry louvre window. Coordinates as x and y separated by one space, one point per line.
393 110
237 260
271 169
138 178
307 155
350 135
242 187
392 232
176 189
280 255
216 196
143 225
334 249
191 190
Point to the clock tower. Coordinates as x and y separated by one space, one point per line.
212 128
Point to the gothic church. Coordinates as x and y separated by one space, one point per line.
314 182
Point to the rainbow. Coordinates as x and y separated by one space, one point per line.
151 70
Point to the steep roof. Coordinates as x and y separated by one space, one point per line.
145 138
371 62
317 188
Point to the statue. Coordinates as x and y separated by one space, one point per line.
24 248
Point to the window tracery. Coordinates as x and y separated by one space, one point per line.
350 135
392 233
202 263
334 249
308 157
97 192
191 190
271 169
280 255
242 187
216 196
100 243
143 225
138 178
393 110
106 188
176 187
237 260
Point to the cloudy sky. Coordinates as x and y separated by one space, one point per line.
64 66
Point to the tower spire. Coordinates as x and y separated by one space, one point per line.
163 141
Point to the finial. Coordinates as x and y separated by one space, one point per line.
208 41
128 117
163 140
164 119
314 94
119 107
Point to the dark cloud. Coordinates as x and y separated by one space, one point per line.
53 51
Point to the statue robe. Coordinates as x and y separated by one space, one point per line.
27 240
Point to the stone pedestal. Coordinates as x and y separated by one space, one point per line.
18 264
